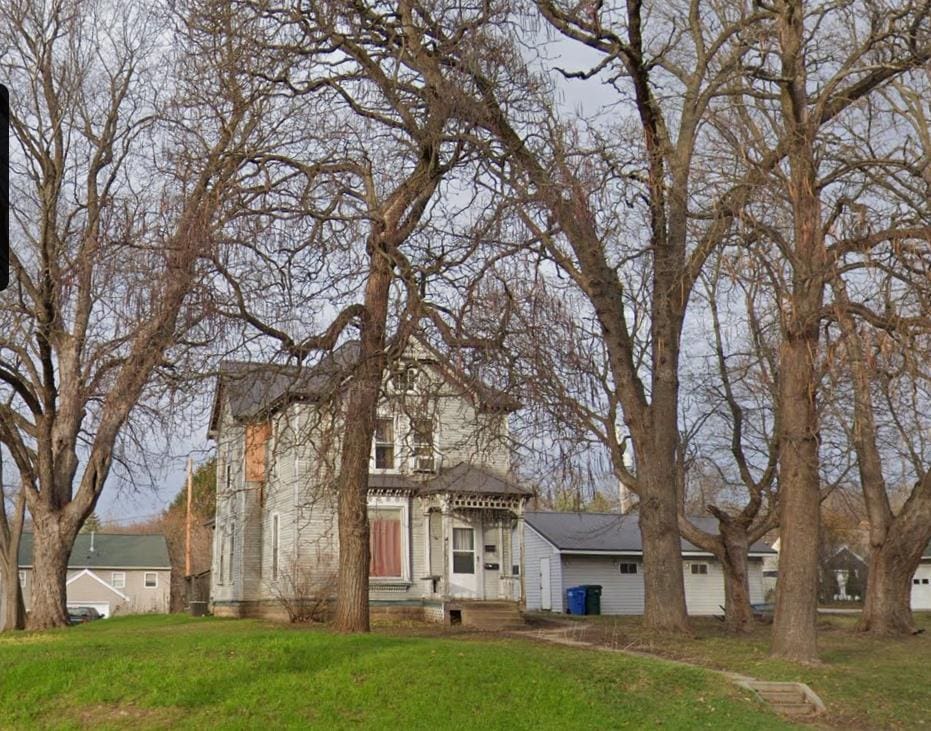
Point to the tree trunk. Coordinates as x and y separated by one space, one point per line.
738 615
794 635
14 611
887 609
52 542
794 626
663 585
352 605
730 547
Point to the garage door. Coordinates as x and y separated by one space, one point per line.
921 588
102 607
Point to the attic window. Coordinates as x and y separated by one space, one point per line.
699 569
423 444
405 379
628 568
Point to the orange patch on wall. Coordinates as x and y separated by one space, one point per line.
256 439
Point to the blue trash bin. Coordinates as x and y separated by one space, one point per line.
576 599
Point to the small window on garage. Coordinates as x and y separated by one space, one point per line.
916 581
118 580
628 568
925 581
699 569
151 580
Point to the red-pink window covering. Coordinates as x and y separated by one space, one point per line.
385 546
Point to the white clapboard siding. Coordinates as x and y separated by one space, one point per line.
620 593
921 591
535 548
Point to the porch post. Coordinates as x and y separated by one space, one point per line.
480 554
447 537
523 563
501 561
428 590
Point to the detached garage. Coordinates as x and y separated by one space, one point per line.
562 550
921 583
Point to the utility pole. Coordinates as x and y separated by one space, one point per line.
187 522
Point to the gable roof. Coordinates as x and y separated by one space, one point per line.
111 550
608 532
256 389
472 479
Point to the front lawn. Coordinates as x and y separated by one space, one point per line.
866 682
145 672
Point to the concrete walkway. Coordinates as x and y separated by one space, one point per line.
796 700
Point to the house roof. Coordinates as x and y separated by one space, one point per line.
608 532
255 389
472 479
110 550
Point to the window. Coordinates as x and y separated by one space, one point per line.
118 580
463 551
275 547
628 568
925 581
384 444
405 379
916 581
151 580
423 444
699 569
221 573
229 568
385 543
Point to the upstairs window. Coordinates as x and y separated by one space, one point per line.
405 379
628 568
384 444
150 580
385 543
699 569
422 439
118 580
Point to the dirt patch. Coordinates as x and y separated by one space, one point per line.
124 714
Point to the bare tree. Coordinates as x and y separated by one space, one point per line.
108 241
355 185
741 405
11 530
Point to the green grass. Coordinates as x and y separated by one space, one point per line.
150 672
866 682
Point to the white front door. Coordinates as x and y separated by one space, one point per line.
462 569
546 595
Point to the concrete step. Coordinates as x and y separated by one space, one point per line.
795 709
783 696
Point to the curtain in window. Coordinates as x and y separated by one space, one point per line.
385 544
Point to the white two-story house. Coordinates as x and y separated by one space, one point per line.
444 514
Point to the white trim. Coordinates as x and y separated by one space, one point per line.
83 567
88 572
402 503
632 551
276 546
637 552
144 577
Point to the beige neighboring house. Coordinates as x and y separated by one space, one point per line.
115 573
